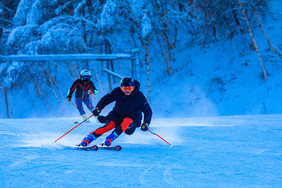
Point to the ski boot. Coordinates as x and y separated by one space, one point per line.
84 117
87 140
108 141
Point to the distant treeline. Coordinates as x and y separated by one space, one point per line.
111 26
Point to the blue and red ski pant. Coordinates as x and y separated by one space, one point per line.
86 101
119 128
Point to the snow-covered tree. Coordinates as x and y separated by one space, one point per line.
62 39
22 35
12 76
22 11
41 11
7 12
82 24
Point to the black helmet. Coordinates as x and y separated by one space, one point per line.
127 81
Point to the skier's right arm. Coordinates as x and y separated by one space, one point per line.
71 90
109 117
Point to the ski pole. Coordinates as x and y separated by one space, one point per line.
160 137
95 98
73 105
73 128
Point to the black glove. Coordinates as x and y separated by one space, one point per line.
102 119
96 111
69 97
145 126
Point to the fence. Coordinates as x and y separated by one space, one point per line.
131 55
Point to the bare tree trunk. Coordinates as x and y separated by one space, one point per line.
54 91
98 78
65 70
6 102
119 66
169 38
83 24
37 89
170 44
148 71
253 40
108 67
52 81
147 60
165 57
41 93
190 2
32 102
165 38
268 41
72 69
228 27
55 74
237 21
101 51
146 49
47 101
10 110
111 62
1 32
175 38
135 44
77 67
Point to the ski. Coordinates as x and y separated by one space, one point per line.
96 147
86 148
116 148
76 122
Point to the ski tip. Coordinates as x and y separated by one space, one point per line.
118 147
95 148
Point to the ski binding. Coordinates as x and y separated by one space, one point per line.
87 148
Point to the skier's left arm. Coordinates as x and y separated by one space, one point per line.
146 109
93 89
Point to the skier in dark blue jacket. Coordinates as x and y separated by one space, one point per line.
83 87
126 114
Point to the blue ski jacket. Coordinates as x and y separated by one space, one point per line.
82 88
127 106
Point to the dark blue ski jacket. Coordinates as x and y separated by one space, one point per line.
82 88
127 106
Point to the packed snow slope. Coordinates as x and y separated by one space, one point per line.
234 151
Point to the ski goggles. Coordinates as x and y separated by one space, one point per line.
127 88
86 77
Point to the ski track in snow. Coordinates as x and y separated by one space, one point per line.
165 171
232 151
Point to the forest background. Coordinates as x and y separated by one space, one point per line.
197 58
